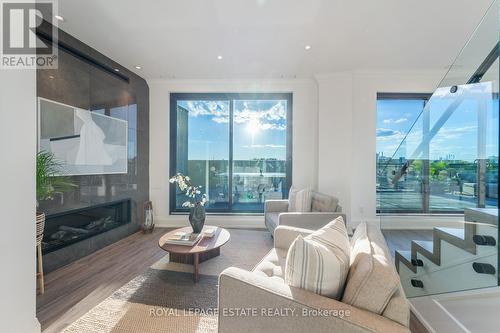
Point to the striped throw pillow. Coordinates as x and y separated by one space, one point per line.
320 262
303 200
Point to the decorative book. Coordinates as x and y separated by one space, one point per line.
209 231
184 238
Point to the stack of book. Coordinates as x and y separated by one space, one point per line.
184 238
209 231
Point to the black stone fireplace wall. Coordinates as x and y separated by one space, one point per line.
87 79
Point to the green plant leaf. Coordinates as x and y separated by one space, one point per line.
48 180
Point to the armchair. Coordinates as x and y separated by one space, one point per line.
324 208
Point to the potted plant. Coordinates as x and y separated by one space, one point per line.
196 201
48 182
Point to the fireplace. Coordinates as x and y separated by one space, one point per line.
64 229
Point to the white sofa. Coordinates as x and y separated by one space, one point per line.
372 301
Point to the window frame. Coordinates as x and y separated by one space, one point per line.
175 97
401 96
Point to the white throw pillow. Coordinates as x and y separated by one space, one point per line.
292 198
303 200
320 262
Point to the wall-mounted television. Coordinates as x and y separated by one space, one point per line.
85 142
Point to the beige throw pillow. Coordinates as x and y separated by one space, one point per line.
292 198
320 262
303 201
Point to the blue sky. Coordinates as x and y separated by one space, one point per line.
259 129
458 136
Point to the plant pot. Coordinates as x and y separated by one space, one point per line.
40 226
197 217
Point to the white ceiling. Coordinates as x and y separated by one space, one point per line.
266 38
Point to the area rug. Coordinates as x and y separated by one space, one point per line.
165 298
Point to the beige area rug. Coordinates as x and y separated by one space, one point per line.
165 298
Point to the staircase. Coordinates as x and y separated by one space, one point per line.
456 259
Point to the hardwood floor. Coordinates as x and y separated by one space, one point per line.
73 290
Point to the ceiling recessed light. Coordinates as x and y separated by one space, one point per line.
308 47
138 67
59 18
219 57
117 70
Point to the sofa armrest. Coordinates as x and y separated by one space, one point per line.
275 206
249 302
285 235
308 220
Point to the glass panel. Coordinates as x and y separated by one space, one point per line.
457 152
395 118
259 153
203 149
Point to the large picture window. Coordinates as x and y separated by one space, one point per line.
237 146
437 156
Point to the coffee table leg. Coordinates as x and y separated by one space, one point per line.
196 264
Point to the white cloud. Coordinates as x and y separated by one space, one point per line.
267 119
446 133
273 118
383 132
395 121
207 108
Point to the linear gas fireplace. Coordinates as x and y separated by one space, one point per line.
73 226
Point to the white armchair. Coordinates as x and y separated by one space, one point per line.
324 208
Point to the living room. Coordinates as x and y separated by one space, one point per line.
249 166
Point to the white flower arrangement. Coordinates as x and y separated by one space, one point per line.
192 192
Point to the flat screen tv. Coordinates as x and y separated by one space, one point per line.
85 142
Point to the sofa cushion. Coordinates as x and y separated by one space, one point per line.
320 262
272 265
372 280
323 203
398 308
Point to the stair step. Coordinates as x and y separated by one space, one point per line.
426 245
404 258
404 254
455 232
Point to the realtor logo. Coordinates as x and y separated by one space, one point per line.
21 47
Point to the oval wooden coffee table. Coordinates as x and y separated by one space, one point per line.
206 248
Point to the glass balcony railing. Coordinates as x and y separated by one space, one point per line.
439 189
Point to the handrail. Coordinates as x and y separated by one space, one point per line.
474 78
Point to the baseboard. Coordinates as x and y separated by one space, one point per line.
225 221
38 326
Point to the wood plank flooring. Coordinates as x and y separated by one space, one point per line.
73 290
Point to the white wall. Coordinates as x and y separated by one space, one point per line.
347 133
334 134
17 200
305 154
